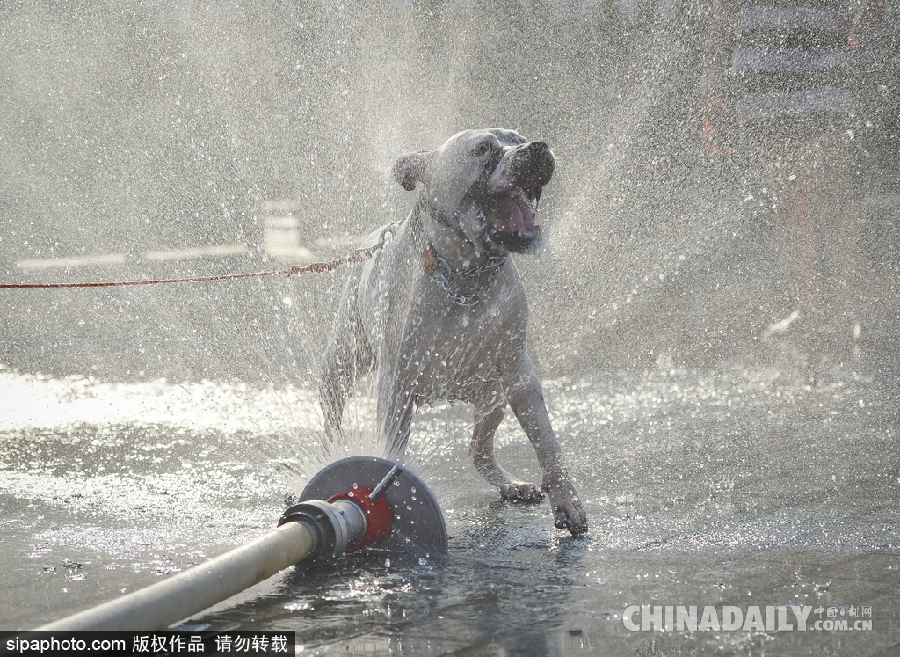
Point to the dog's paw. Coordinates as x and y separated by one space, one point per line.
521 492
567 510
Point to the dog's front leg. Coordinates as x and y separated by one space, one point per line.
527 401
481 449
394 410
347 356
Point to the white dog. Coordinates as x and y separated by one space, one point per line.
440 313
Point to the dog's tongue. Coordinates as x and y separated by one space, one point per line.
512 215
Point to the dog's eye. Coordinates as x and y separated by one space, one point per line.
481 149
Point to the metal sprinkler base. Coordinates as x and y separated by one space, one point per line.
352 504
417 525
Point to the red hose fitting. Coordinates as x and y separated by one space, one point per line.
378 515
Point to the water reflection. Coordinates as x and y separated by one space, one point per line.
719 487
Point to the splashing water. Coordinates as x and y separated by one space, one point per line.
170 139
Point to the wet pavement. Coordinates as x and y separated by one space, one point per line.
185 139
720 487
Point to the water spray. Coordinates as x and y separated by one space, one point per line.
355 503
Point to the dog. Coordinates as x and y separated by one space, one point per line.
439 310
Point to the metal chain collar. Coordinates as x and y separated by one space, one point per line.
440 272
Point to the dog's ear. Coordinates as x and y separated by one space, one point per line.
411 169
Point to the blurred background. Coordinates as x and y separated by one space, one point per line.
180 138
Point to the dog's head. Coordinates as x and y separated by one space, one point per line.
484 184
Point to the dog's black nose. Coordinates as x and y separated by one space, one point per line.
538 153
532 165
533 150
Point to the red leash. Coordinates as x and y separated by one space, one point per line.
293 270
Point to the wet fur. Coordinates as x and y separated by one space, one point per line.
396 320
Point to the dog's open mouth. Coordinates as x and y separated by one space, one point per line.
510 221
512 195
